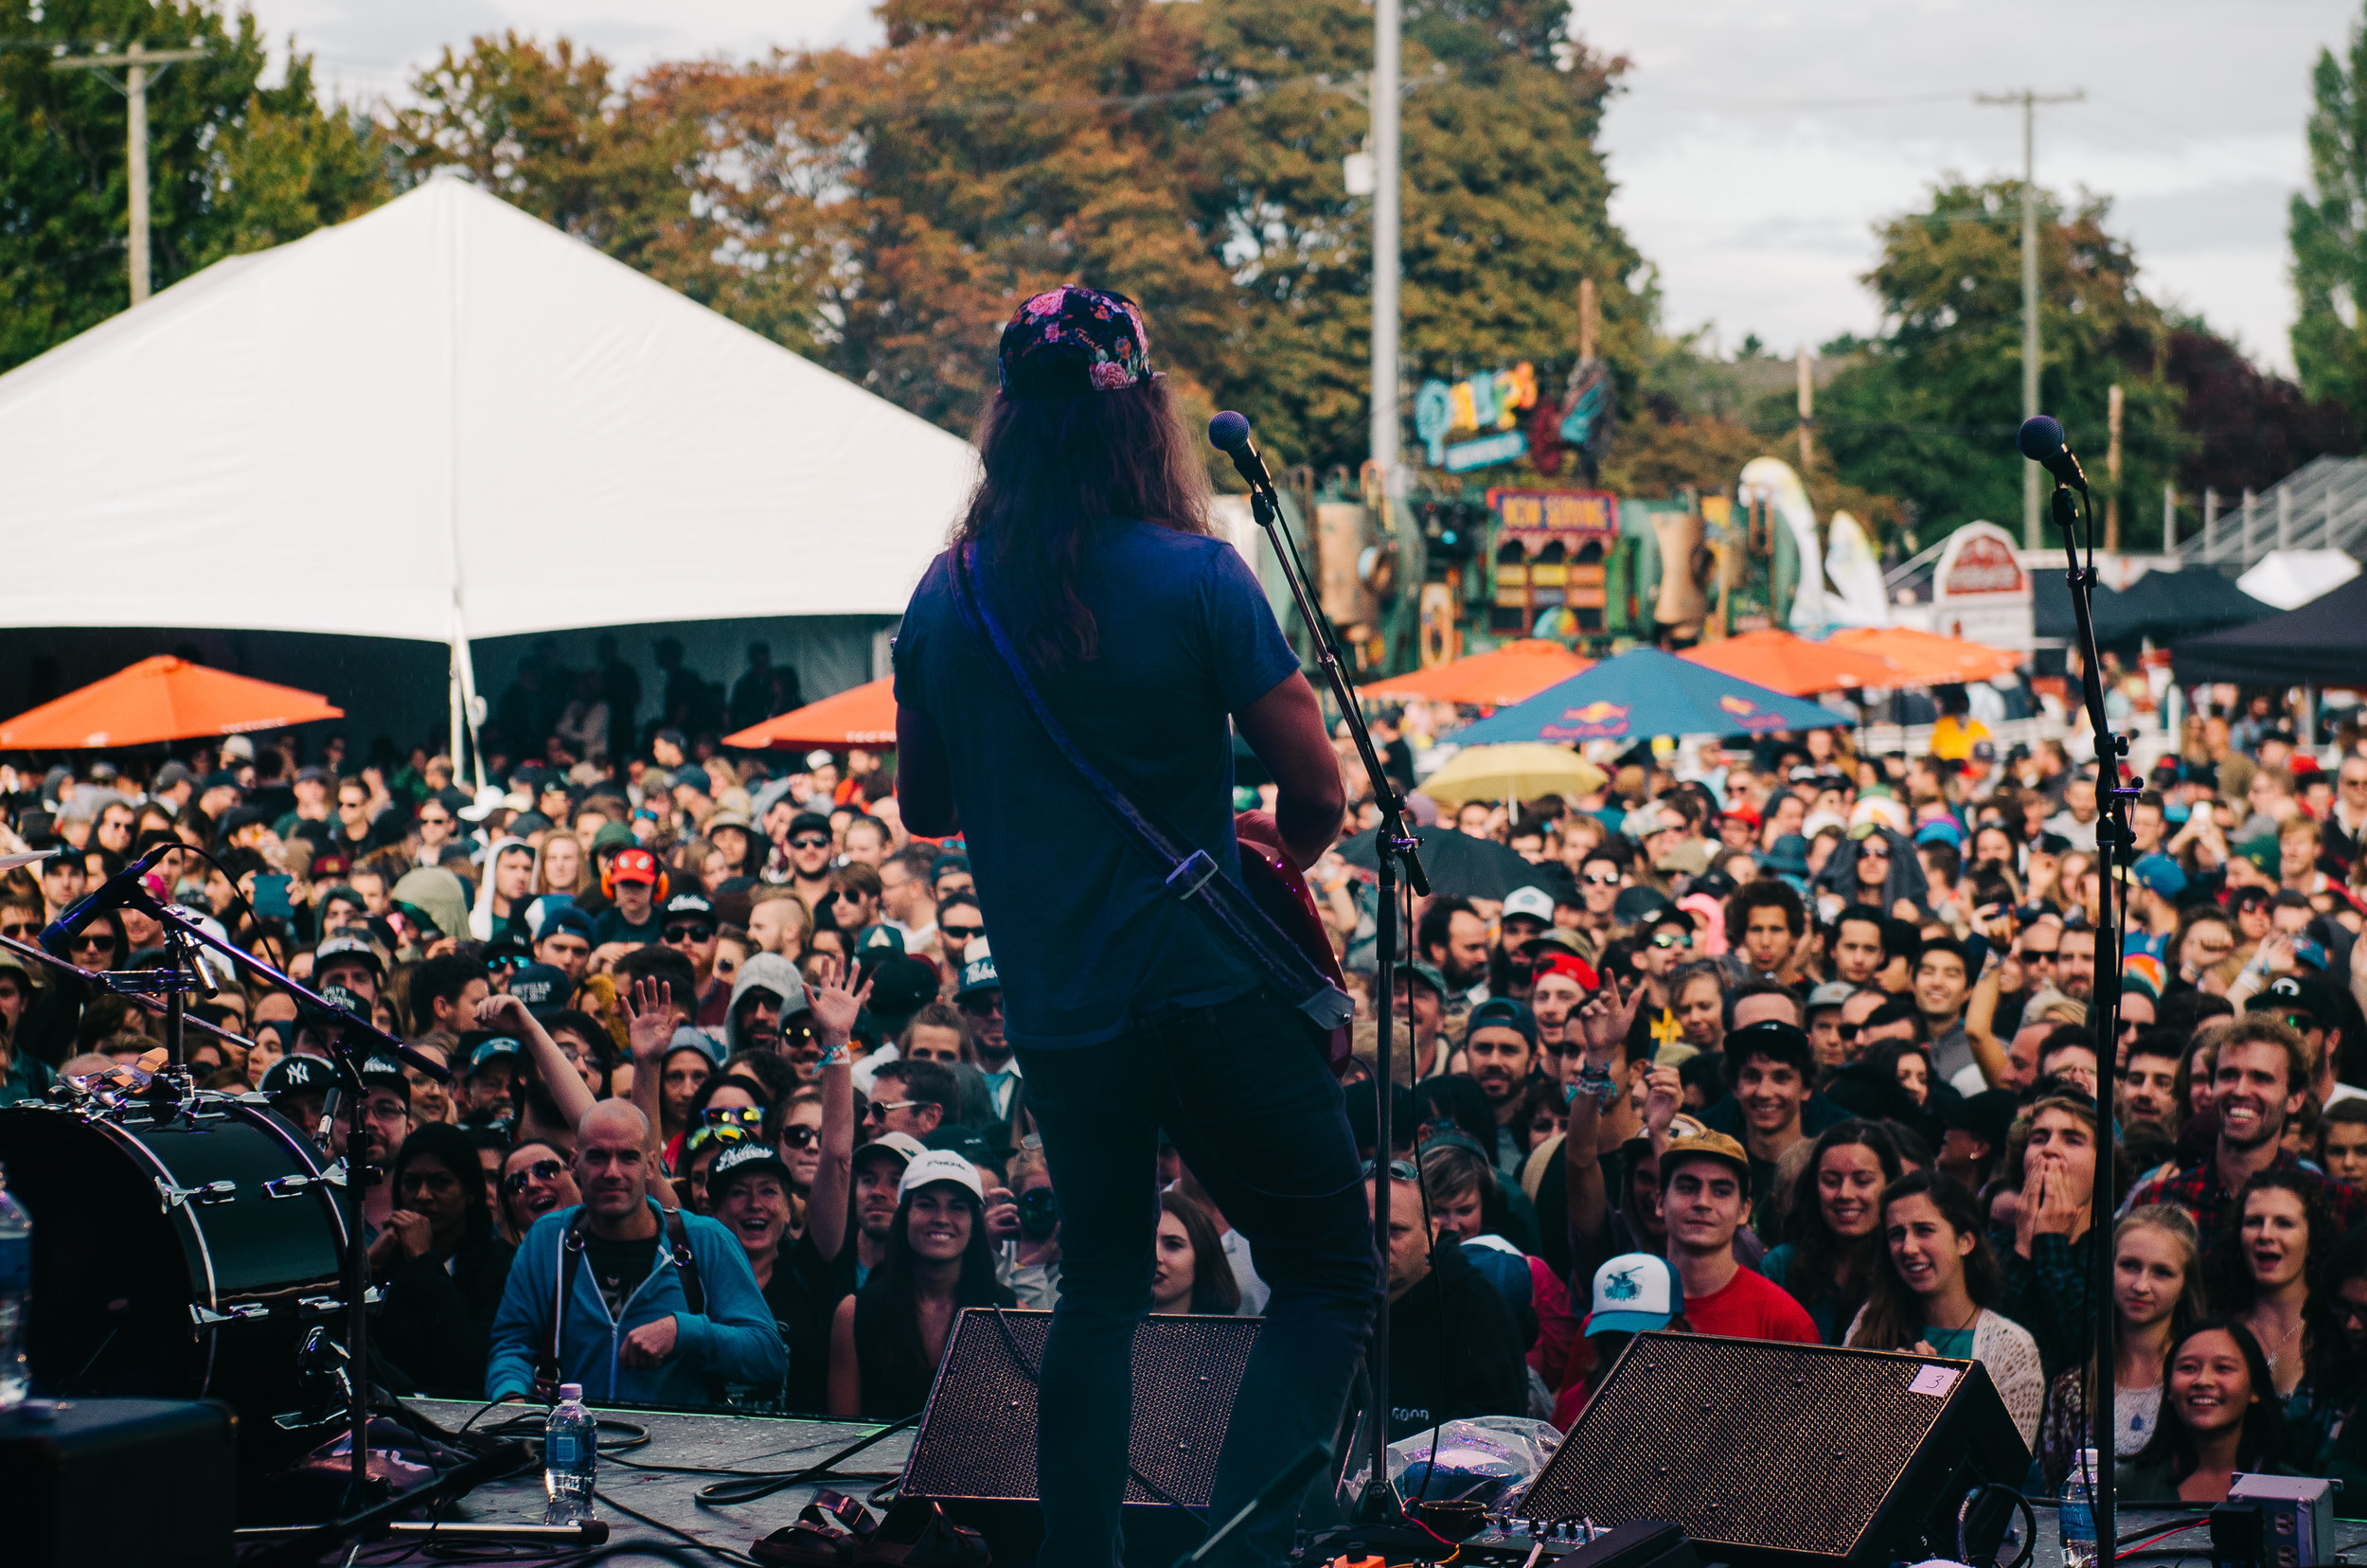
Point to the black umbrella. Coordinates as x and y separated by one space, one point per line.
1462 866
2324 641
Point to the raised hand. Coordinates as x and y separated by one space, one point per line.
649 1019
1664 1097
501 1010
834 1006
1604 1020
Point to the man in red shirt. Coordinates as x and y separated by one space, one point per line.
1704 1199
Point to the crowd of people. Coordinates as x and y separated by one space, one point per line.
1776 1040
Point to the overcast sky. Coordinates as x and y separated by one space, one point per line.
1757 140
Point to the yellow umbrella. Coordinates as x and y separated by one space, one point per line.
1518 770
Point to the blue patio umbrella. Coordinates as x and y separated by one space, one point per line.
1646 692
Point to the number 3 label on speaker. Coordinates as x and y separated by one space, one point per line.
1934 1381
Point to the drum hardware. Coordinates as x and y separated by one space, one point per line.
205 1317
212 1192
293 1186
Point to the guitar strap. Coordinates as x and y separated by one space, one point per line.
1188 871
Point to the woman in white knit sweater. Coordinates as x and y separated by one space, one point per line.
1932 1295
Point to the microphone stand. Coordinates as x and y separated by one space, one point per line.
1396 851
2113 837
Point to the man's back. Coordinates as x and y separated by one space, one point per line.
1086 939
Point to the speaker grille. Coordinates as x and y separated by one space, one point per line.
977 1440
1748 1444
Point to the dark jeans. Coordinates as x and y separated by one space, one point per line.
1242 1092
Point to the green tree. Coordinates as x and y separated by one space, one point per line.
885 211
2327 229
1929 414
233 166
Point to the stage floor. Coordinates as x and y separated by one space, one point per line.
713 1443
784 1444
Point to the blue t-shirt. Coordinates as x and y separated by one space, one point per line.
1087 942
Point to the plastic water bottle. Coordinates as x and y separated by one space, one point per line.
2077 1516
570 1449
16 1289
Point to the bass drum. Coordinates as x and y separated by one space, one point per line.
178 1260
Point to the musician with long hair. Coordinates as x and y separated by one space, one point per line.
1148 641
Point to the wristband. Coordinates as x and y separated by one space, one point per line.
1596 1082
835 1057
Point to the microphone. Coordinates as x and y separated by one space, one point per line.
2041 442
1229 434
125 886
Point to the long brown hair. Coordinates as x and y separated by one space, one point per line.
1893 1313
1819 1259
1055 469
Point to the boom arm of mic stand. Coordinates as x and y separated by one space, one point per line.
105 981
2112 835
354 1025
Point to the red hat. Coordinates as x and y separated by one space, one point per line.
632 865
1572 965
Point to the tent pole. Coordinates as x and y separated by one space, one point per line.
452 685
465 675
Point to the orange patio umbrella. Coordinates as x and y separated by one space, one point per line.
162 698
860 716
1499 678
1924 659
1795 666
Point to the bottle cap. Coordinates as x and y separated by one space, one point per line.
571 1391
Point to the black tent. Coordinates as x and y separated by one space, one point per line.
2325 642
2164 605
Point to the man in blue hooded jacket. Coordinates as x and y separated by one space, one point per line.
629 1332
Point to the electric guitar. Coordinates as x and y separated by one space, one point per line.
1277 887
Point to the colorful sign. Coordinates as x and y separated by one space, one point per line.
1980 562
1490 401
1748 716
1507 447
1540 517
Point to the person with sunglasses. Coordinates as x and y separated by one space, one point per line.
533 1179
803 858
766 994
1664 942
980 998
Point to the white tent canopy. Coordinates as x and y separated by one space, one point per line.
446 419
2291 579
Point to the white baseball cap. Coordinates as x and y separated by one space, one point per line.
1535 903
1634 1293
940 1165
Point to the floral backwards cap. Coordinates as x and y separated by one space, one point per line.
1072 340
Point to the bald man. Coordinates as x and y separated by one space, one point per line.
638 1326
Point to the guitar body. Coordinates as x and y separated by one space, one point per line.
1278 889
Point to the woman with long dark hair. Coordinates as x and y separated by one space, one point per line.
1932 1295
446 1283
1189 1270
2219 1415
1832 1244
887 1338
2276 1245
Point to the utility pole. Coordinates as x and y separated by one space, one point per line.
138 63
2113 469
1385 246
2029 102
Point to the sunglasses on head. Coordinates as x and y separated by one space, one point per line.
689 933
703 1137
732 1116
541 1171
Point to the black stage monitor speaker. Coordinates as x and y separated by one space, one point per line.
119 1483
1784 1455
975 1452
